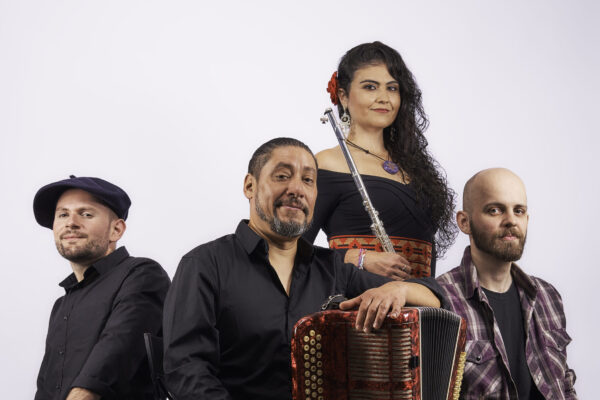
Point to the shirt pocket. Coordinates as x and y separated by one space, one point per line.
557 339
555 353
482 378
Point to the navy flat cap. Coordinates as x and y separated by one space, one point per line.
44 202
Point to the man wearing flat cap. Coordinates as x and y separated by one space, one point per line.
95 346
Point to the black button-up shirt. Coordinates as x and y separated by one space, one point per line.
95 337
228 320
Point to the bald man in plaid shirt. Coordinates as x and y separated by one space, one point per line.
516 336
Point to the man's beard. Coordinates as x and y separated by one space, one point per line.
502 250
88 253
286 229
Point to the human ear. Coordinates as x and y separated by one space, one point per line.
343 96
117 229
462 220
249 186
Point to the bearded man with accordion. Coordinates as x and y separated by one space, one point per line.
231 311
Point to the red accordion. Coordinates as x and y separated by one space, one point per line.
418 355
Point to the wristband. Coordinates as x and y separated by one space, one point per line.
361 258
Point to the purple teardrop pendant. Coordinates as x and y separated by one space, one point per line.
390 167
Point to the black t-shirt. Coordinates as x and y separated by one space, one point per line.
508 314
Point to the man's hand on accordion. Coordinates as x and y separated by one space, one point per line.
375 304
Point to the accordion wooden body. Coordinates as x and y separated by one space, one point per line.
418 355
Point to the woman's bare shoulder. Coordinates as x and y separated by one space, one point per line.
332 159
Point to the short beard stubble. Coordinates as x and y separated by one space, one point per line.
86 254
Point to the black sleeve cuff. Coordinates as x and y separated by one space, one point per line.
93 384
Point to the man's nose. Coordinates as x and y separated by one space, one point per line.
296 187
510 219
72 221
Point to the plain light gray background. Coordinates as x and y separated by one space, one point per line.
168 99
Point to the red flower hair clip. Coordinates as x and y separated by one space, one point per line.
332 88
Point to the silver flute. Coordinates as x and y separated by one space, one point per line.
376 224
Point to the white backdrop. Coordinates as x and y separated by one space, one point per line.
168 99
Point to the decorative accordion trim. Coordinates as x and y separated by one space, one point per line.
417 252
459 375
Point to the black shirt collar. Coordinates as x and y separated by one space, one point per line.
102 266
251 241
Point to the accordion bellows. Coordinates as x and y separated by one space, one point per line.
418 355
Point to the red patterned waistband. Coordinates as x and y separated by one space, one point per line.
417 252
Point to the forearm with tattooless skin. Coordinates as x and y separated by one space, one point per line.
419 295
351 256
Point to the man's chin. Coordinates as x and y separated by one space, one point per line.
292 217
290 211
509 251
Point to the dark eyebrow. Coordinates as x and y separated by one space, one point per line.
501 205
91 208
377 83
291 167
284 165
494 205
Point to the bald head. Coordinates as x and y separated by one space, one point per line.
492 183
495 215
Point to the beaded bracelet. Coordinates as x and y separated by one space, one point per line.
361 258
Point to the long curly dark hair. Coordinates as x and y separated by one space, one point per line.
404 139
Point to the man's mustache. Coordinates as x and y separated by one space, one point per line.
74 234
293 202
512 231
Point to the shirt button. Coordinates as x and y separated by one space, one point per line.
57 386
478 358
66 317
61 352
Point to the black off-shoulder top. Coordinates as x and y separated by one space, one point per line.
339 211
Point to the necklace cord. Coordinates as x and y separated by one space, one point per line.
363 149
388 166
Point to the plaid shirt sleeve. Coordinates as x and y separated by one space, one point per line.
549 349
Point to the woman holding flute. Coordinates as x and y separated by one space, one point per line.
380 106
